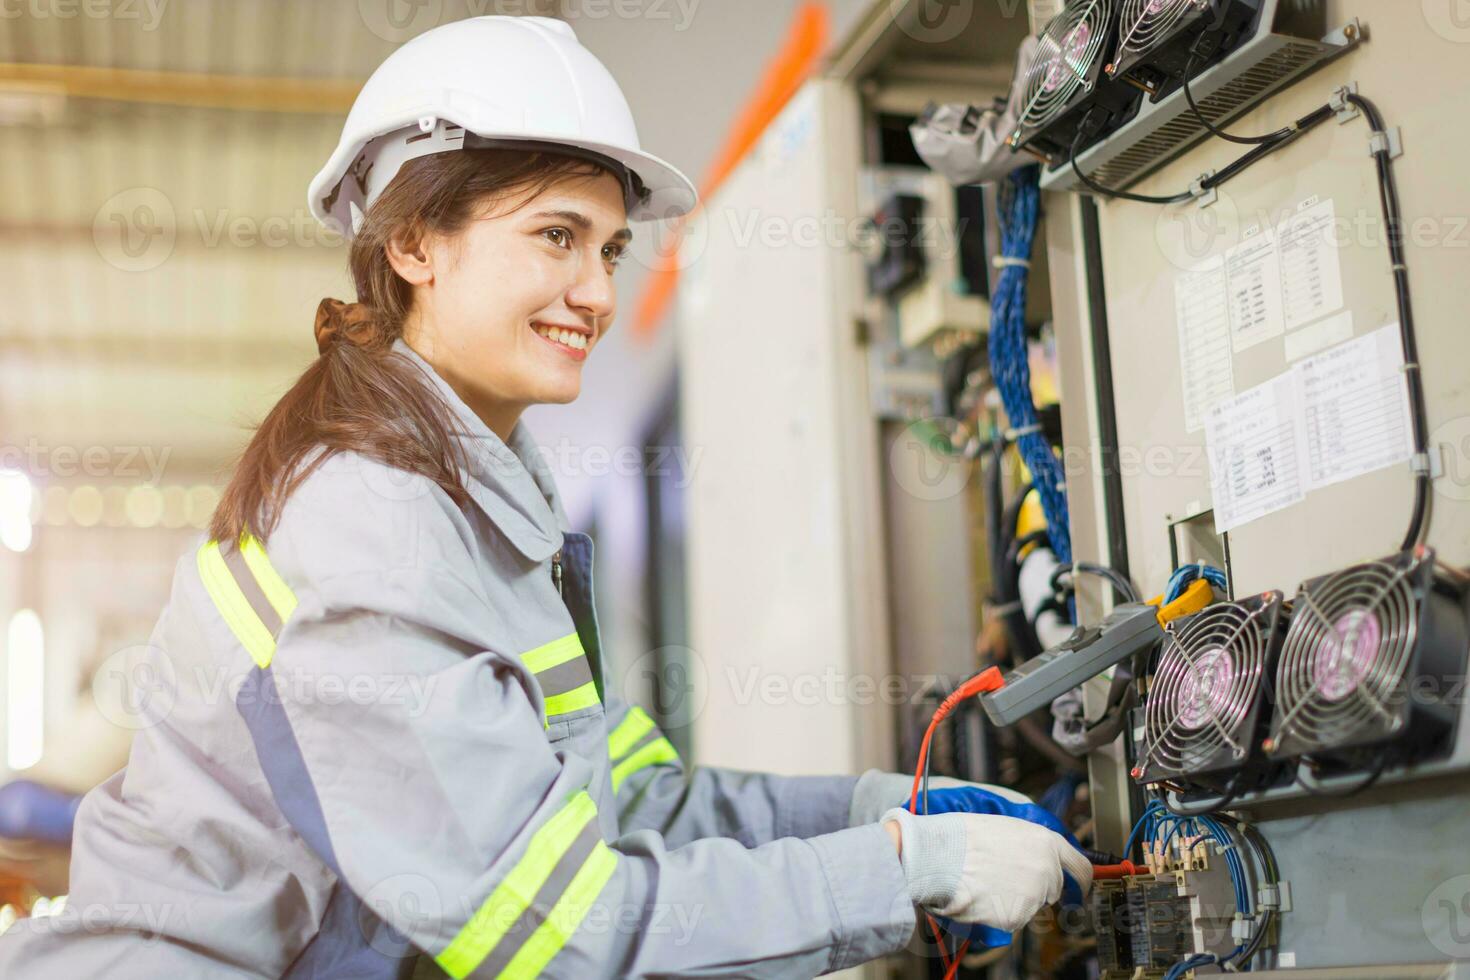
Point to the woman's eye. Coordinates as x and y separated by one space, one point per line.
613 253
566 235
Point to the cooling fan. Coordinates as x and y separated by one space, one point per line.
1372 660
1065 83
1156 38
1208 701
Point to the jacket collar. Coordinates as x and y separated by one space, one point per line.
511 482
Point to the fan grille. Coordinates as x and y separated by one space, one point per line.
1070 47
1346 655
1147 22
1208 680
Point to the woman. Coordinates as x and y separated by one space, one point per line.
388 745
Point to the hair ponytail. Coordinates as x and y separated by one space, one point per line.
338 322
359 395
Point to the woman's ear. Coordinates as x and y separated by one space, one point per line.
410 257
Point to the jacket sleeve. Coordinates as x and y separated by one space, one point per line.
655 791
406 748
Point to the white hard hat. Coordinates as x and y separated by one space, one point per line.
491 81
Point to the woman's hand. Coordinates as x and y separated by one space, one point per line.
876 791
995 870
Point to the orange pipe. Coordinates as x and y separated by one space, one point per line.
799 54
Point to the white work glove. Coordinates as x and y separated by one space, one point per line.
876 791
972 867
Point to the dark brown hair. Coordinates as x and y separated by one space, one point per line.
358 395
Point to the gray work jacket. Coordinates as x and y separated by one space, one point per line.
382 744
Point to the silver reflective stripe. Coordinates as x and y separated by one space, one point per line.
543 903
653 735
565 677
250 589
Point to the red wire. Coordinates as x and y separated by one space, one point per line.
959 955
989 679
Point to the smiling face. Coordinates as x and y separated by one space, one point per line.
509 310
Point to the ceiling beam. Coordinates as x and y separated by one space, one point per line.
325 96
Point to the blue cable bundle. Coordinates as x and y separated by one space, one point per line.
1020 205
1158 820
1186 574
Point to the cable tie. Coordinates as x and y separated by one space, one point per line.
1006 261
1428 464
1026 430
1410 366
1400 267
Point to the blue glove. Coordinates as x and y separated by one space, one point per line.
973 799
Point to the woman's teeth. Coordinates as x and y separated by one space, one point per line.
574 340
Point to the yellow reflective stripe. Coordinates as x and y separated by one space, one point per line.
635 725
650 755
516 890
565 917
578 697
277 592
234 607
548 655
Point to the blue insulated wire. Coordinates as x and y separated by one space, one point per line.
1020 207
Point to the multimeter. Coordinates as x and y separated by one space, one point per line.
1089 651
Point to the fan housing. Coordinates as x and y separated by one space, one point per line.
1209 699
1067 88
1157 37
1372 663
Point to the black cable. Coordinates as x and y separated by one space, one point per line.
1118 195
1189 97
1268 856
1121 585
1394 230
1208 806
1237 167
1252 835
1319 791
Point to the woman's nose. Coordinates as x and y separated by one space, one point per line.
593 292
